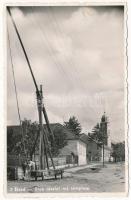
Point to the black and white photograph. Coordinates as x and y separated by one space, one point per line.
66 99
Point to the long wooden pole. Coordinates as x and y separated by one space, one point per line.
23 49
41 144
47 123
34 80
39 99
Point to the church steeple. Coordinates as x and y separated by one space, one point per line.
104 118
103 127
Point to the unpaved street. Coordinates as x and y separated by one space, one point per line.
111 178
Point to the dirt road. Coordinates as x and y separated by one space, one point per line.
111 178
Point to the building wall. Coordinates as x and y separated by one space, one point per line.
109 139
78 148
94 152
71 147
81 149
68 155
107 153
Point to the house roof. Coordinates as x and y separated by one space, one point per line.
15 129
87 139
70 135
84 138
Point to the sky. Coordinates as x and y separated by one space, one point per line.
77 54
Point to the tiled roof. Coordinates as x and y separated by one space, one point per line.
15 129
84 138
70 135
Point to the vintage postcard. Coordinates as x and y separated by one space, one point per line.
66 100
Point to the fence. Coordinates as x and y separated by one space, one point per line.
18 160
15 160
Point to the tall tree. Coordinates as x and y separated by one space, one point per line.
96 134
99 134
60 136
118 152
23 142
12 140
29 141
73 125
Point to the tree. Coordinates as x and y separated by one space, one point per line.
99 133
60 136
118 152
24 141
96 134
73 125
30 140
27 141
11 140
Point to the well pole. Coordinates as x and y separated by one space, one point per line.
41 143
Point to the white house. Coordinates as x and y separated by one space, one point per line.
75 151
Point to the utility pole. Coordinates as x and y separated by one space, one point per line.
41 144
103 151
103 128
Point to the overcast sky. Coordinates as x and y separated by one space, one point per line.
76 53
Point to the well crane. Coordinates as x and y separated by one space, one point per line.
44 146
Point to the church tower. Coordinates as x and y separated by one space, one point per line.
103 128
